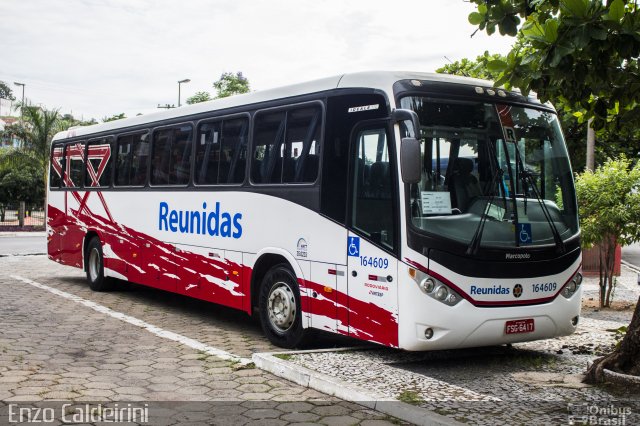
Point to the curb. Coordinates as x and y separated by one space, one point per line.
631 266
24 234
621 379
348 392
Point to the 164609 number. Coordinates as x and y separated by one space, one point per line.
376 262
544 287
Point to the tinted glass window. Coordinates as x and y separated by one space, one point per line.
74 154
302 145
99 164
132 153
56 166
171 156
287 146
373 188
220 152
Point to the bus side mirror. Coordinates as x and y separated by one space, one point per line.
410 160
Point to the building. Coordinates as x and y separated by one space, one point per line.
4 141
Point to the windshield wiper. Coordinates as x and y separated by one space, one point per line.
526 176
474 244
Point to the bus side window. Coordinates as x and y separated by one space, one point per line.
56 166
233 157
267 158
99 164
208 153
171 156
74 154
302 145
287 146
132 152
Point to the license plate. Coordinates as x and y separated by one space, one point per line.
519 326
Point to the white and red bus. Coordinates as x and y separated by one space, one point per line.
417 211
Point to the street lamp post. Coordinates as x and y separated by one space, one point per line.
186 80
22 104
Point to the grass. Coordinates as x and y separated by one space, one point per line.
285 357
410 397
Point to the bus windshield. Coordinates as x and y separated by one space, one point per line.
493 175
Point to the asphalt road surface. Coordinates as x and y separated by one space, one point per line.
631 254
23 244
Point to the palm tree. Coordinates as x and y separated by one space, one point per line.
35 133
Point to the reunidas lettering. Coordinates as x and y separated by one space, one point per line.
496 289
215 223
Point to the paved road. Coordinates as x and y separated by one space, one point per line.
631 254
23 244
61 341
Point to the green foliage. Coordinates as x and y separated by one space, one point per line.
20 182
6 92
114 117
477 69
35 136
199 97
582 51
231 84
575 130
609 203
609 208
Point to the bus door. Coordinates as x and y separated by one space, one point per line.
372 237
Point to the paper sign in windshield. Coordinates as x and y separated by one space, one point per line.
496 212
434 202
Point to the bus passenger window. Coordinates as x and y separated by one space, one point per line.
132 152
221 152
57 165
287 146
171 156
99 164
75 156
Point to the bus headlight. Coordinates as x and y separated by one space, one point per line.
441 293
572 286
435 289
427 285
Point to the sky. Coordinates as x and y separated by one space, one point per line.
97 58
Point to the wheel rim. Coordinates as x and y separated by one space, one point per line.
281 307
94 264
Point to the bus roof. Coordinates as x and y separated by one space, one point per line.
382 80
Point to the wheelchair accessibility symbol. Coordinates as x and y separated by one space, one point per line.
524 233
353 246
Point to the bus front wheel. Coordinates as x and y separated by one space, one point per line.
280 313
94 264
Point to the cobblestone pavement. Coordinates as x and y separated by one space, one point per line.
527 383
55 349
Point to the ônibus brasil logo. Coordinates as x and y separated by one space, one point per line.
212 222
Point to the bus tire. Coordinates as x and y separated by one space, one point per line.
94 265
279 306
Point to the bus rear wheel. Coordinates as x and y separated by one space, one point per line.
94 265
280 313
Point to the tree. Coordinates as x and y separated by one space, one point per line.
35 139
470 68
231 84
574 129
114 117
584 51
609 207
199 97
6 92
20 182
